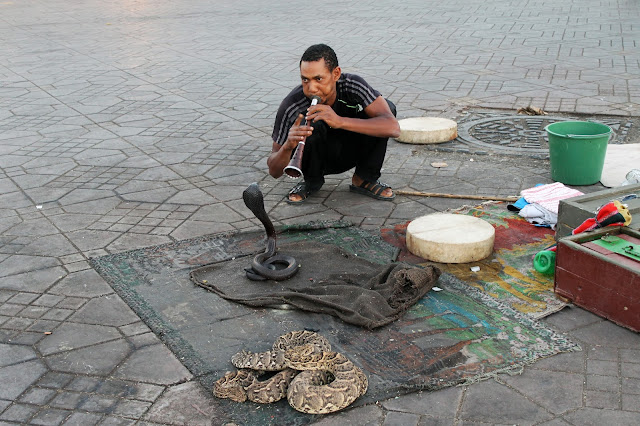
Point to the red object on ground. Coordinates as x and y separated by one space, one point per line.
611 214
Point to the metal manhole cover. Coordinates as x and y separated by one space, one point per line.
497 132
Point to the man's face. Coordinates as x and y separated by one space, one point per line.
317 80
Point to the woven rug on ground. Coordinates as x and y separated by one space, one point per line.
508 274
457 335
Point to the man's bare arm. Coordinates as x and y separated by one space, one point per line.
381 122
278 160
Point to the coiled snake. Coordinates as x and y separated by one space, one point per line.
267 265
312 377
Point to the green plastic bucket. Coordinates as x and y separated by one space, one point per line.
577 150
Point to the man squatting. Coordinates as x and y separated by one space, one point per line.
349 127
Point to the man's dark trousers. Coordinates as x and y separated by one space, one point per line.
332 151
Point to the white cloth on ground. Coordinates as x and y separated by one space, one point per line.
544 201
549 196
538 215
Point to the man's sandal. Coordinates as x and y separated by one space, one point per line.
372 189
303 189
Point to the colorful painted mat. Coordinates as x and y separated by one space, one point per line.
508 274
457 335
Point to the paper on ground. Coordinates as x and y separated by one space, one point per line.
619 160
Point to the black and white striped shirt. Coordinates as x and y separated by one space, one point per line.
352 91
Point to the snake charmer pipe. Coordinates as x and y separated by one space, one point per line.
294 168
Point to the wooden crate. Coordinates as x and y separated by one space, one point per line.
596 279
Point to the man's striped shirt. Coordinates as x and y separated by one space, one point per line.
352 91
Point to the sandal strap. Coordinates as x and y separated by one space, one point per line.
299 189
305 188
376 187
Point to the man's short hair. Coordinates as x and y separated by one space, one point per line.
320 51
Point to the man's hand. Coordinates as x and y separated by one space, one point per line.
381 122
324 113
281 154
297 133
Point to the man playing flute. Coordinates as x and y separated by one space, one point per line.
349 127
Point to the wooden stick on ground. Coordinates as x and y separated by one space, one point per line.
465 197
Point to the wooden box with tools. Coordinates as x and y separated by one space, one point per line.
600 272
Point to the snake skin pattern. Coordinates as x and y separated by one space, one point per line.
274 360
308 394
242 385
314 379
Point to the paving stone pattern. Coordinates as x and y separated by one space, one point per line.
129 124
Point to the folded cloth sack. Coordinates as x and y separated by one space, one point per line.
330 281
611 214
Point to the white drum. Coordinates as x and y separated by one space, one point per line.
426 130
450 238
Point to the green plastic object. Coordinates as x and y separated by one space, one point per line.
545 262
620 246
577 150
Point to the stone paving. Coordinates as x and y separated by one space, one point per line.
129 124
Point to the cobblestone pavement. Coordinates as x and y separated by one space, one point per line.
125 124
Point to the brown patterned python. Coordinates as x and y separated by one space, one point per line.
243 384
328 382
274 360
308 393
